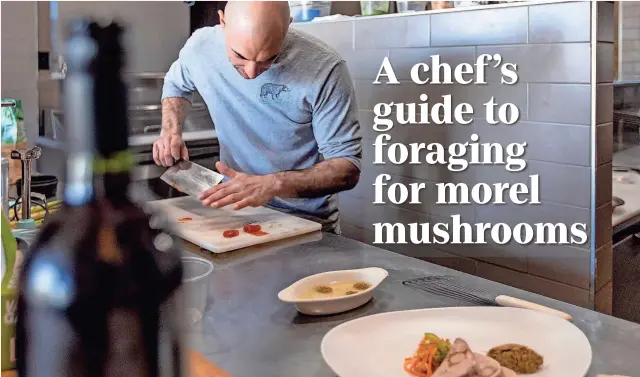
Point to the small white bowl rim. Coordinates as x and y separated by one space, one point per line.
201 261
384 275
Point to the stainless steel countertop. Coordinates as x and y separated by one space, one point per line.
249 332
626 219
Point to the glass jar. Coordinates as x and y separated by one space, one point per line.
374 8
305 11
411 6
441 4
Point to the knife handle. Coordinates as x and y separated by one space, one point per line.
518 303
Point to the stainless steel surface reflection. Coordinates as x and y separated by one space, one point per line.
248 328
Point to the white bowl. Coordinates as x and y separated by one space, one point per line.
333 305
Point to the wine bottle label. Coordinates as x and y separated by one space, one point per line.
13 260
12 284
120 162
9 318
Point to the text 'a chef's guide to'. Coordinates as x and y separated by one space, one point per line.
445 111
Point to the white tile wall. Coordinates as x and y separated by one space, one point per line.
156 30
19 36
629 13
551 46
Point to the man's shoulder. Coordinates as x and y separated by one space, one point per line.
313 47
208 36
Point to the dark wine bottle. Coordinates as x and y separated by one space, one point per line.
99 286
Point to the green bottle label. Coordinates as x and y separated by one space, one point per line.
9 301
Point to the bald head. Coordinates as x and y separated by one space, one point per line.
254 32
261 17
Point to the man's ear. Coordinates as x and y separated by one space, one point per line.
221 15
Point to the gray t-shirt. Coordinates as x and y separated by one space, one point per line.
291 117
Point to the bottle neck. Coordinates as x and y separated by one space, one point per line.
92 177
112 176
78 185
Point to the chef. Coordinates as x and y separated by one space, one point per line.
284 109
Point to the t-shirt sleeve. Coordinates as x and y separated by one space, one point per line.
177 81
335 118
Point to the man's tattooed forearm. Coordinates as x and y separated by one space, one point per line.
174 112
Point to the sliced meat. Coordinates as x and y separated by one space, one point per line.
462 362
506 372
459 362
486 366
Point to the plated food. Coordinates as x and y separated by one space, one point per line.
390 338
334 291
430 354
336 288
521 359
461 362
438 357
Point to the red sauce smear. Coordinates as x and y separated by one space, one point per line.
184 219
251 228
231 233
254 230
176 187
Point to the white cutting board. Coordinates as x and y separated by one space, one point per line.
207 224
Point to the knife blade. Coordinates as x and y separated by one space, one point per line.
191 178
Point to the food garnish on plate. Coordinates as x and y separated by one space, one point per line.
361 285
324 289
519 358
333 289
437 357
431 352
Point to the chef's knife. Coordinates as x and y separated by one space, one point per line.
191 178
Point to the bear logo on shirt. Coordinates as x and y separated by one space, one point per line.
271 92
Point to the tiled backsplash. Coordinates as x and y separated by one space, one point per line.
20 60
630 40
551 44
156 31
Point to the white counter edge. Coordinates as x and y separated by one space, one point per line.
135 140
439 11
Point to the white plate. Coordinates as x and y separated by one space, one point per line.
388 338
333 305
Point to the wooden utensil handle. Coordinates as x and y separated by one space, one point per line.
199 366
518 303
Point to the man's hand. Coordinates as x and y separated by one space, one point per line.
241 190
169 148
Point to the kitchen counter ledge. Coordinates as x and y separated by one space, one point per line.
439 11
249 332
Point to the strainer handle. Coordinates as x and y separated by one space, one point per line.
518 303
